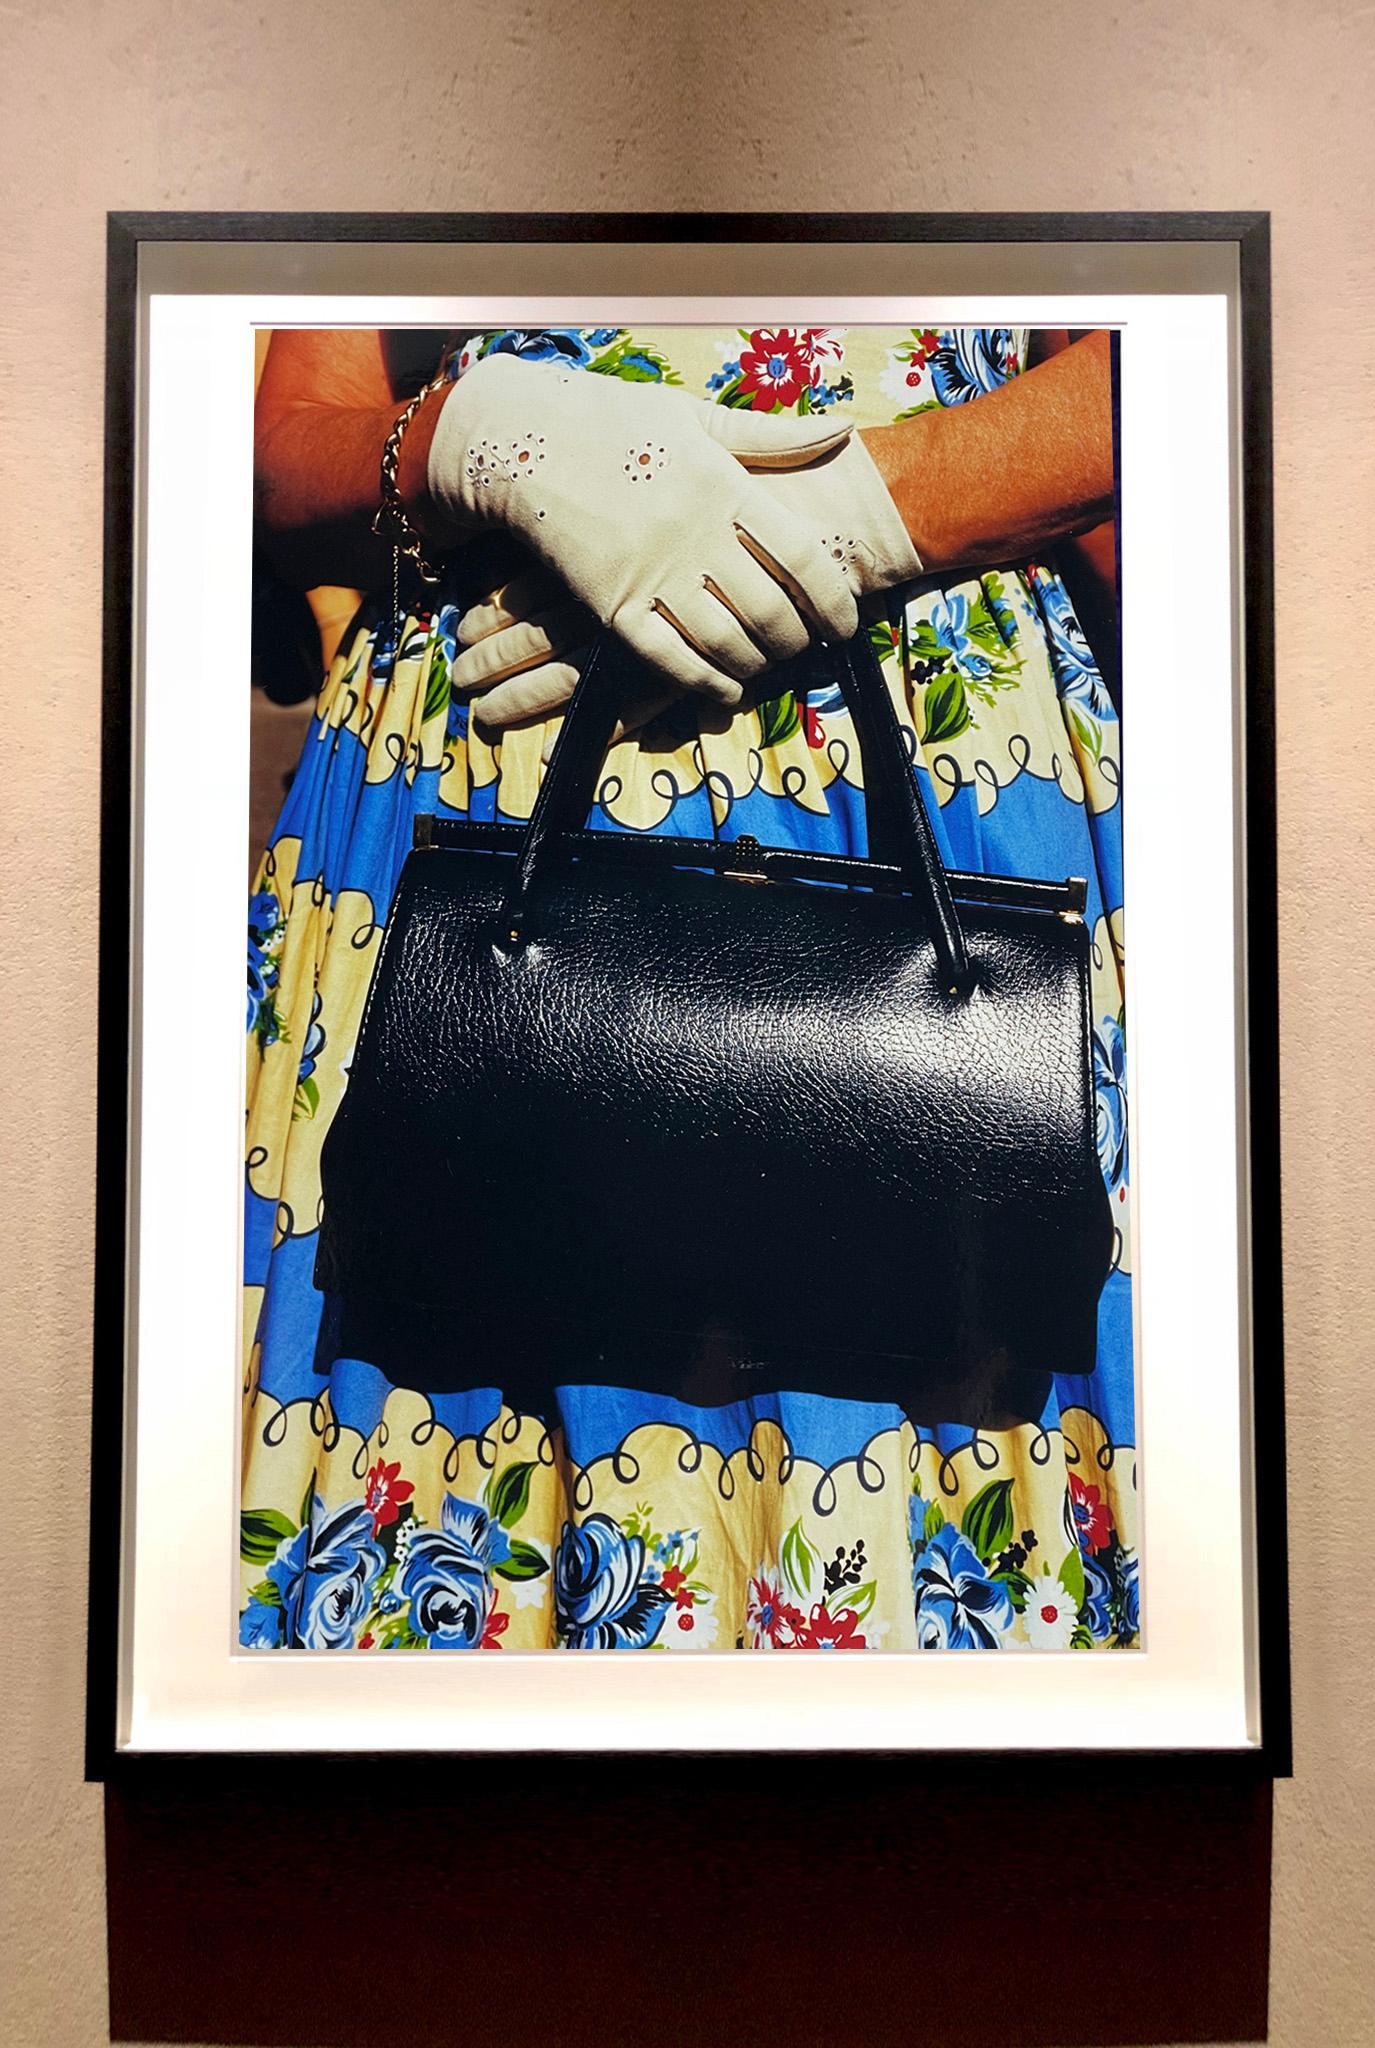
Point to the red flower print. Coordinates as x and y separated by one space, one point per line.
673 1578
497 1625
366 1642
386 1494
811 724
772 1616
777 366
924 347
827 1631
1092 1516
687 1619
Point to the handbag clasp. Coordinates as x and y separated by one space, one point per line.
747 860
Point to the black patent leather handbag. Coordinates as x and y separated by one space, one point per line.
661 1113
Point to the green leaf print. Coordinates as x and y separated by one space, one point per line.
1071 1576
436 687
927 644
634 362
395 1632
266 1593
412 645
988 1519
508 1495
985 633
270 1027
935 1521
946 709
778 719
525 1562
1000 605
861 1600
1088 733
260 1532
798 1559
881 639
1018 1586
306 1101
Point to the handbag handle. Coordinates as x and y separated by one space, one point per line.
899 829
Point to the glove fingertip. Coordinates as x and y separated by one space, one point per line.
522 699
727 693
487 710
776 440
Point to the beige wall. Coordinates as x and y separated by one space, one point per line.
540 104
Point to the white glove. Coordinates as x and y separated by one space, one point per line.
525 644
641 498
846 501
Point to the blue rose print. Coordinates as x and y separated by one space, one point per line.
265 928
257 983
1003 610
260 1626
446 642
1112 1597
1096 1612
1071 658
325 1574
446 631
448 1574
970 361
264 916
950 624
1110 1100
641 367
1126 1574
571 345
602 1598
958 1606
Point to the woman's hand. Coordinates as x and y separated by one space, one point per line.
975 484
526 642
644 502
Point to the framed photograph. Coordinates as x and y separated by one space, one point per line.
738 753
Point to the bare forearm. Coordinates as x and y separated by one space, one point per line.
317 468
1003 478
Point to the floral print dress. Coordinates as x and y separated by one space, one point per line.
379 1518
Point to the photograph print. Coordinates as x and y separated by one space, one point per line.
686 1185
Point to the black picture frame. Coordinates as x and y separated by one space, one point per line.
130 232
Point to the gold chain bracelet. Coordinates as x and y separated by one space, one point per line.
389 521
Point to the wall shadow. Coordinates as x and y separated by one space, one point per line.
824 1901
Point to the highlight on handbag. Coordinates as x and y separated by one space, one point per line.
662 1113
